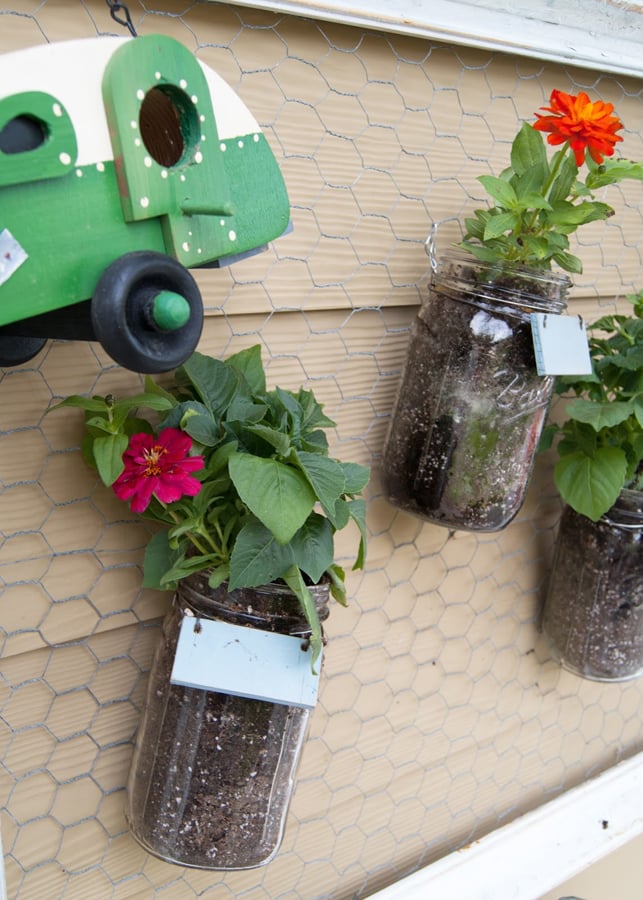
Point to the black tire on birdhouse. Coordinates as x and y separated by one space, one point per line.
123 312
15 350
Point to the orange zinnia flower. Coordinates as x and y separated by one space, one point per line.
584 123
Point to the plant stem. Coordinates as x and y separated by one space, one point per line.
553 174
203 550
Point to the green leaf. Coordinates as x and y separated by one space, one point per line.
474 228
501 191
547 437
134 425
528 150
569 262
248 363
153 387
285 401
219 575
529 182
339 516
246 410
313 412
76 401
562 186
315 442
100 423
313 547
202 428
276 439
295 582
356 476
326 477
578 436
631 360
556 242
108 456
149 401
591 484
536 247
183 567
357 509
179 415
599 415
278 495
532 200
337 585
257 558
213 381
565 213
638 411
485 254
159 558
637 445
613 170
497 225
217 462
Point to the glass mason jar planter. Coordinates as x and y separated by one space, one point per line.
212 774
593 615
471 407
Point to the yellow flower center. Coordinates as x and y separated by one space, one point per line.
152 460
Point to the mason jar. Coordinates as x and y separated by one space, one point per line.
593 614
212 774
471 405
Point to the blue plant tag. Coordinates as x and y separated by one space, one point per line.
245 662
560 345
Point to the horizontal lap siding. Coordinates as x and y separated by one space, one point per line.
441 713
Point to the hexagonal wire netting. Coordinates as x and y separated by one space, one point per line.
441 714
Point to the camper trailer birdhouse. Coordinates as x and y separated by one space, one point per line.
123 164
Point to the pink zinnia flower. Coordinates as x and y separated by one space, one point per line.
158 466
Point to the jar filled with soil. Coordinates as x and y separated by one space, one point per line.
593 615
212 774
471 406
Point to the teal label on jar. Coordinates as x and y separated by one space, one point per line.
560 345
245 662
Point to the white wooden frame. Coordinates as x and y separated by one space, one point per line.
540 850
605 35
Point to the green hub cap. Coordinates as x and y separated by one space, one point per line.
170 311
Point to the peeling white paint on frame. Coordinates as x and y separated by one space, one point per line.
600 34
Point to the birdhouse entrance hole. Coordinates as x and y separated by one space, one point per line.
22 133
169 125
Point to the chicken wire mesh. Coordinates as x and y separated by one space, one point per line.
441 714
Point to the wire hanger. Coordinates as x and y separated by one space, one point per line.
125 19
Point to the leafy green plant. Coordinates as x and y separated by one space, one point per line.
600 446
239 477
537 202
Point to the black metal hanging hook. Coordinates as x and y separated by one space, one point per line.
115 8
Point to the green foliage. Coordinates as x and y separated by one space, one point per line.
538 202
271 498
600 445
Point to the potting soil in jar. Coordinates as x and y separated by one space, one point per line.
212 774
593 615
471 405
